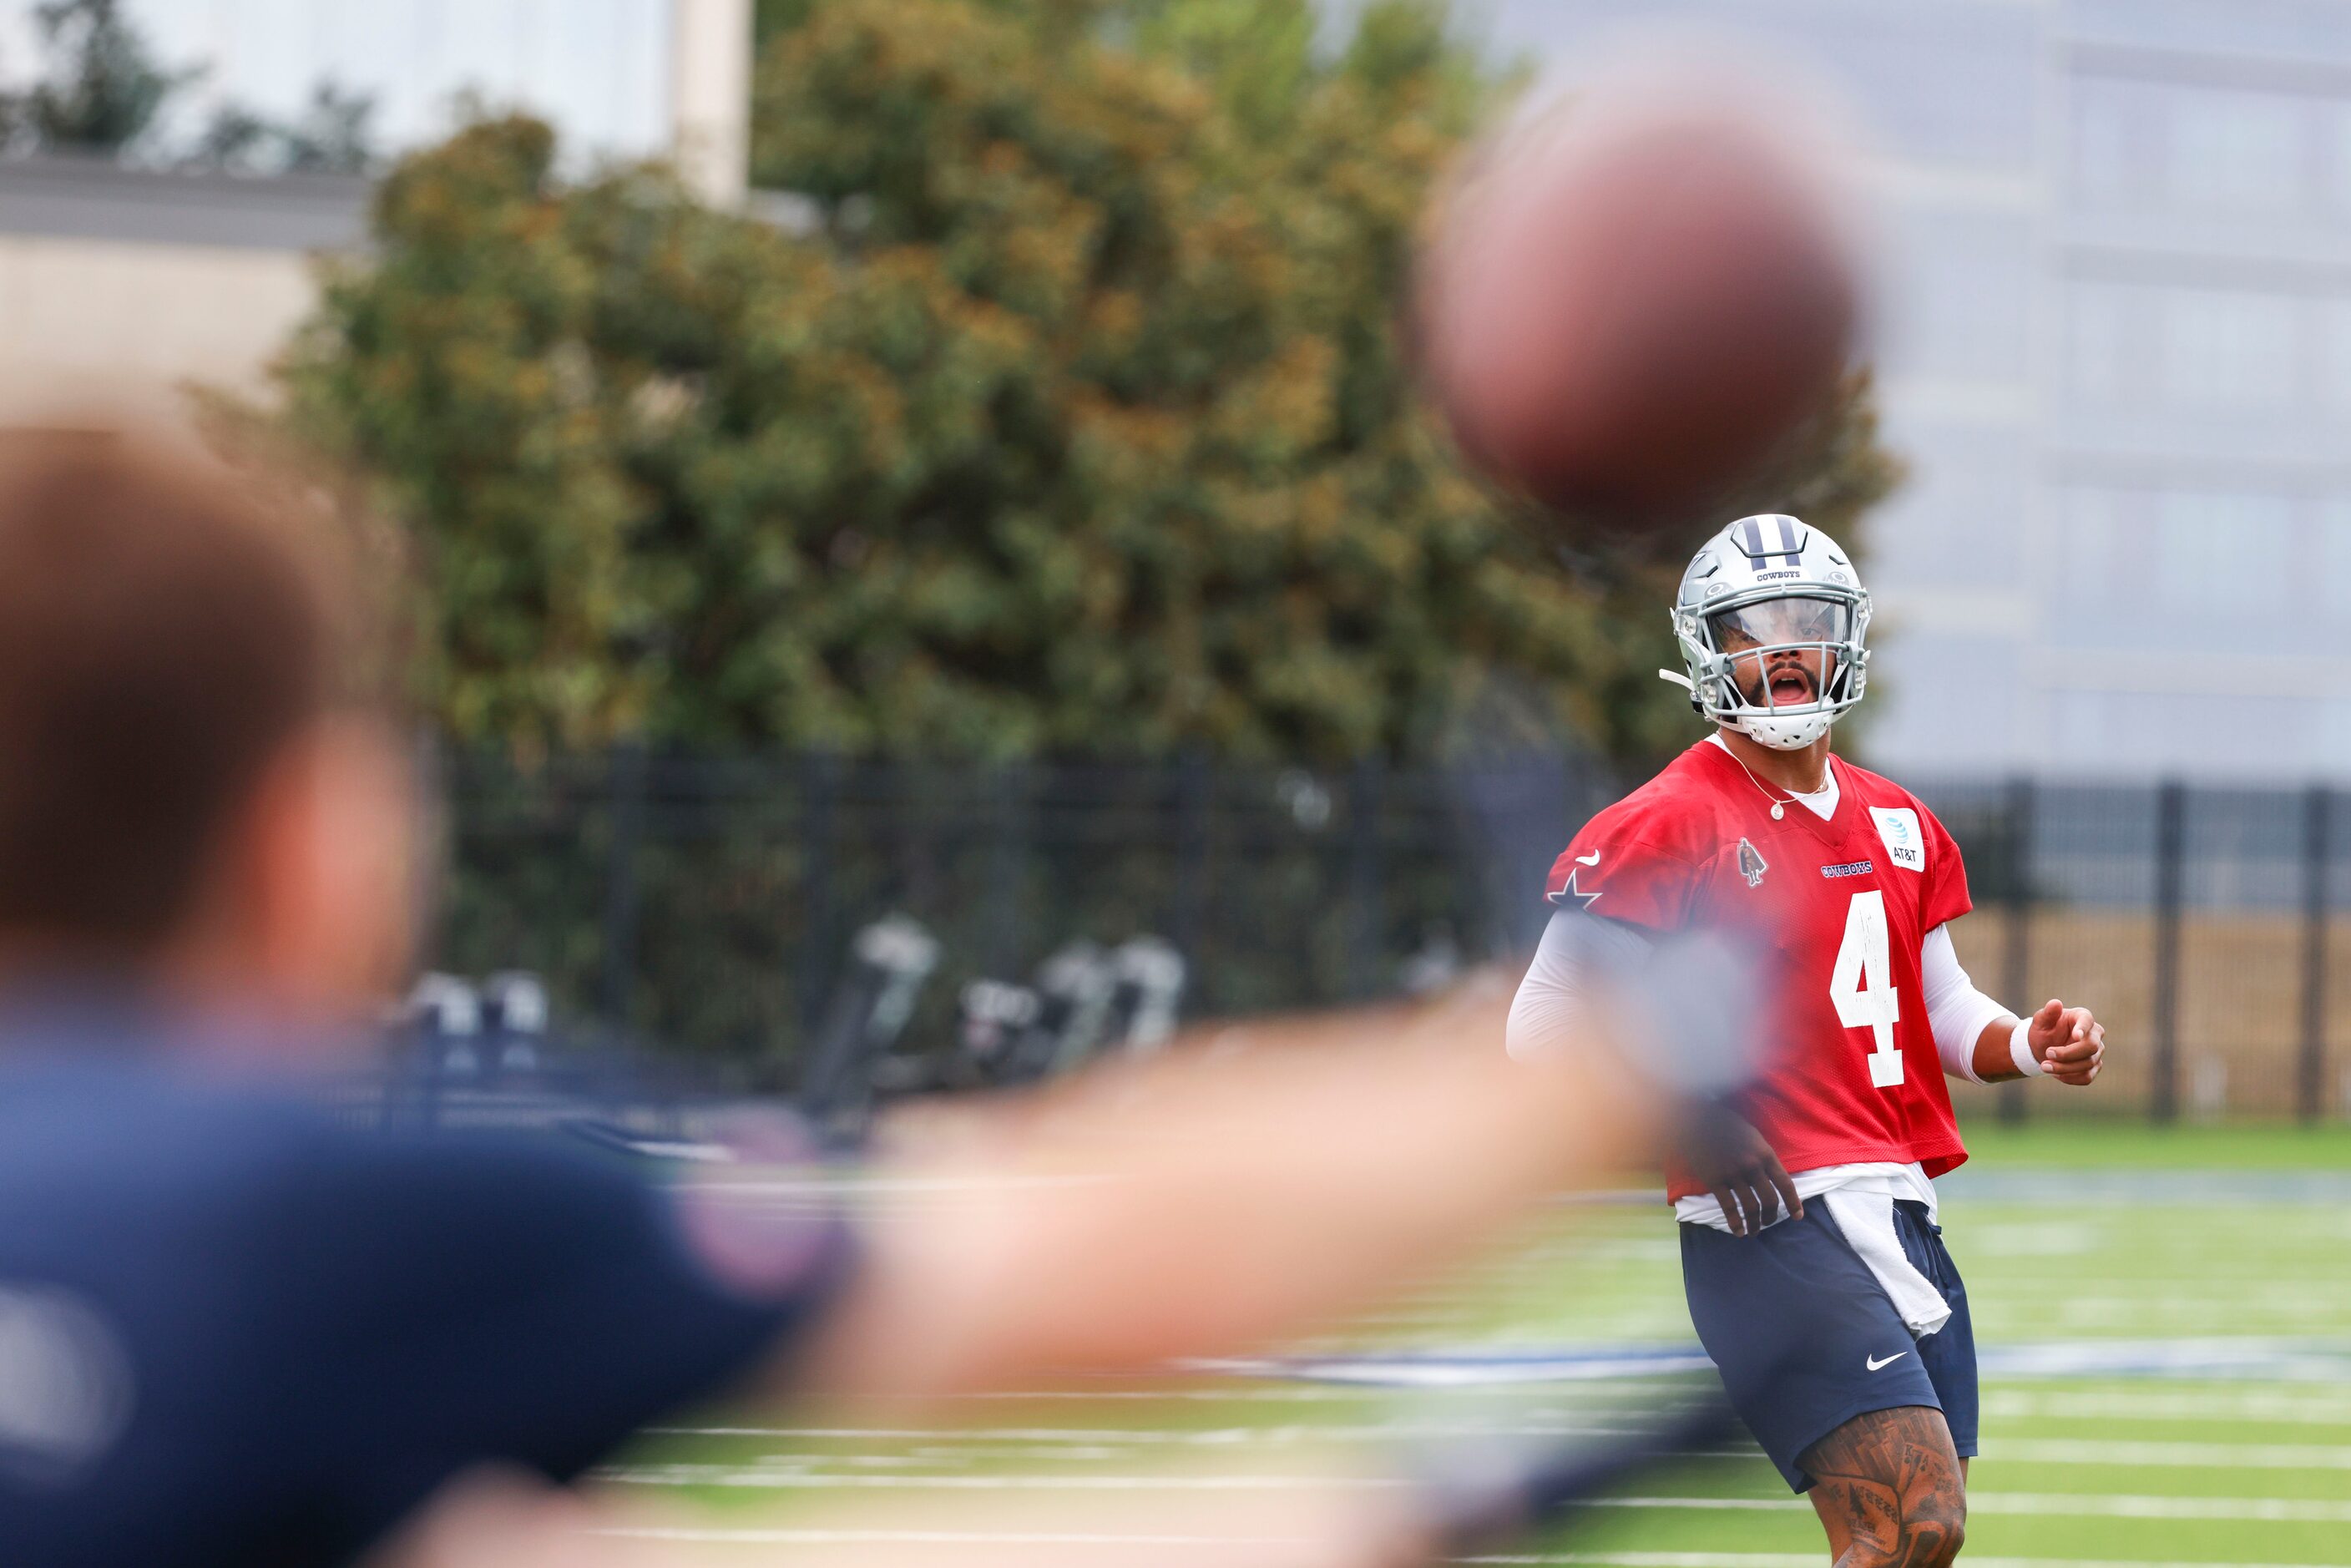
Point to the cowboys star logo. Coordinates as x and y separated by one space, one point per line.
1582 900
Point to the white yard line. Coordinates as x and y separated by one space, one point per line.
1290 1394
755 1537
2038 1504
2198 1456
788 1480
2061 1505
2215 1403
1101 1439
1130 1436
1812 1560
2267 1510
2207 1195
788 1537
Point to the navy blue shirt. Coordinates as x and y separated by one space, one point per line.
233 1332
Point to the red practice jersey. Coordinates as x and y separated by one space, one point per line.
1839 909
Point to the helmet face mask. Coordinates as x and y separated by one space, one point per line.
1773 622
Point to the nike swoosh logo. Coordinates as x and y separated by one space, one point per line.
1592 859
1874 1363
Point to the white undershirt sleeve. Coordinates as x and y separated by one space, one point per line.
1560 977
1958 1011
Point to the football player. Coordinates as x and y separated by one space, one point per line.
1813 1264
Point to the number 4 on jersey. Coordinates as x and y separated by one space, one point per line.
1863 985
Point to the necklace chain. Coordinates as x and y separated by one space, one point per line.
1779 806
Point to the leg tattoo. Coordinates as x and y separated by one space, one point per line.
1890 1490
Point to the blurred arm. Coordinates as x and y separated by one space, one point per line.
510 1520
1570 976
1570 964
1249 1186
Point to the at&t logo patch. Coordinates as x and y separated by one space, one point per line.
1905 844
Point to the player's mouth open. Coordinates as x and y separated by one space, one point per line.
1789 686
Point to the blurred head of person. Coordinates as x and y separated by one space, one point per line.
199 797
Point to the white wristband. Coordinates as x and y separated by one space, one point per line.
2020 1048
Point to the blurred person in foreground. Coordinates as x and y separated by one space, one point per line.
232 1331
1812 1249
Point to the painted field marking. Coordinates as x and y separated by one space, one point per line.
2200 1456
1097 1441
792 1536
794 1479
2297 1359
2038 1504
2268 1510
2061 1505
1310 1393
2135 1190
1812 1559
2193 1303
2218 1403
1468 1369
934 1538
2182 1188
1205 1438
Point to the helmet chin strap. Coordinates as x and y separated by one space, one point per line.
1785 734
1778 733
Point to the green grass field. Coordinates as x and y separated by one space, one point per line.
2080 1238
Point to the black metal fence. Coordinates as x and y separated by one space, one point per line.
2203 923
708 903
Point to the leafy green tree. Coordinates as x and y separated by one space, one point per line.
235 138
334 134
104 91
769 17
105 87
1076 420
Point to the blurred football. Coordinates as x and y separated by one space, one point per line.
1623 306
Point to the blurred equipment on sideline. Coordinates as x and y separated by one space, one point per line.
1094 1001
1624 304
515 1009
488 1054
1082 1002
462 1054
890 963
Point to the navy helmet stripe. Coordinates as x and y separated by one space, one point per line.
1770 538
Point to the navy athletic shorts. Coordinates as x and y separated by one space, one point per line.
1806 1339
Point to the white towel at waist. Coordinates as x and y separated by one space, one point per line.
1860 1198
1866 1217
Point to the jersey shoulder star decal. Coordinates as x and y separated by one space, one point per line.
1582 900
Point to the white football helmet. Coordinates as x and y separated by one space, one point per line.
1767 586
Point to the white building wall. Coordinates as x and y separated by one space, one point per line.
2116 350
123 284
599 69
95 320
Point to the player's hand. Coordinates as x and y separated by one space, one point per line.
1730 1160
2067 1042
